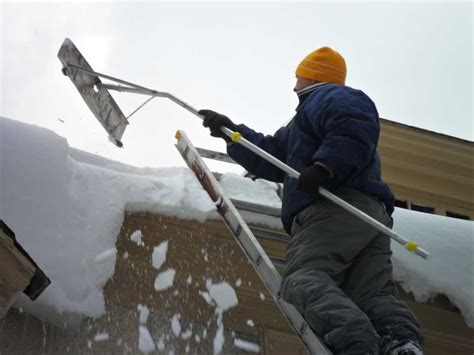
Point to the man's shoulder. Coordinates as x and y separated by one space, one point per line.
335 90
339 97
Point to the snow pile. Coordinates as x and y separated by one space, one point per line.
66 207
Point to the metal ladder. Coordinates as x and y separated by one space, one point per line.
260 261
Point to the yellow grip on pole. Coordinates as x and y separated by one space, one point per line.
177 135
235 136
411 246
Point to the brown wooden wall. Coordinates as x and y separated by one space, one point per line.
427 168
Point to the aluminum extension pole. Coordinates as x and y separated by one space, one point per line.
237 138
409 245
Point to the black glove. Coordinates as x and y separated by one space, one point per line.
312 177
214 121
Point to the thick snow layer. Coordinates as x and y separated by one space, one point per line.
448 270
260 191
66 207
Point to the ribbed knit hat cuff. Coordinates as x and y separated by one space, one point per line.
319 75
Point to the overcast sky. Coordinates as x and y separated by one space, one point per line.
413 59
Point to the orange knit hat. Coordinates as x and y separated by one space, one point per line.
323 64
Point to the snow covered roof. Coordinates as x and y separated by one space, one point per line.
67 206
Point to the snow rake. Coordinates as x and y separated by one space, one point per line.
106 110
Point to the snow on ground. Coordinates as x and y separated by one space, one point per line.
66 207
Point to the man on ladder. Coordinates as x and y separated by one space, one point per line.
338 270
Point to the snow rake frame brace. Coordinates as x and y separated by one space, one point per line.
249 244
101 103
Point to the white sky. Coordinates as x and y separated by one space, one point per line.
413 59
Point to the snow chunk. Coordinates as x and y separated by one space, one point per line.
145 341
219 339
159 254
101 336
262 296
225 298
161 344
165 279
250 323
137 238
246 345
144 313
176 324
223 294
207 297
187 334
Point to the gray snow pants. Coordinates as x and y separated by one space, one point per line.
338 275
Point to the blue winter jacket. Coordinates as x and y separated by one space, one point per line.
335 125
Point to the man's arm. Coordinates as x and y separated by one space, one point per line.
275 145
351 127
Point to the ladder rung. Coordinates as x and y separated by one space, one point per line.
211 154
278 262
268 234
254 207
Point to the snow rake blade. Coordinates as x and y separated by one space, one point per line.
99 100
